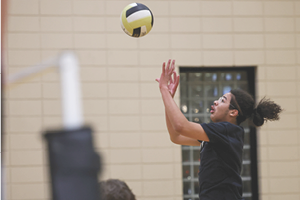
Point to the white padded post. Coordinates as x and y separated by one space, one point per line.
70 91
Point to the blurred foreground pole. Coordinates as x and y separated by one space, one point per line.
74 165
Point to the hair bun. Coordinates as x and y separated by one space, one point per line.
258 119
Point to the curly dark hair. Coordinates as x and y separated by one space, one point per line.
115 189
264 111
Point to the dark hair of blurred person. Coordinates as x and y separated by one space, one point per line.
114 189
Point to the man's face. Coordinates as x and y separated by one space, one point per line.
220 109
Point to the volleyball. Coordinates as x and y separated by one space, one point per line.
136 20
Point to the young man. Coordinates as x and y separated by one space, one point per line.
221 141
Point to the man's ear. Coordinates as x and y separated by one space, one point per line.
233 113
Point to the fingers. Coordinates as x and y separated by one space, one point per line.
174 77
168 70
170 67
171 80
173 65
175 86
157 80
177 82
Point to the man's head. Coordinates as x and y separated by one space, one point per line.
238 105
224 109
114 189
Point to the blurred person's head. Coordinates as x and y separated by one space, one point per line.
114 189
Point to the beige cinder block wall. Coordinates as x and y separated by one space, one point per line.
121 99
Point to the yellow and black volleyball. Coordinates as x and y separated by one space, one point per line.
136 20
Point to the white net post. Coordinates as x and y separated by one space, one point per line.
70 91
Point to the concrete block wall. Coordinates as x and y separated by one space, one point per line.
121 100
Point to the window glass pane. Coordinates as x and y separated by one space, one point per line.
246 170
246 154
183 77
196 91
211 77
196 156
211 91
187 189
183 90
247 137
247 186
197 106
196 186
241 76
195 77
198 120
226 76
186 156
196 171
243 86
186 172
183 106
226 88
